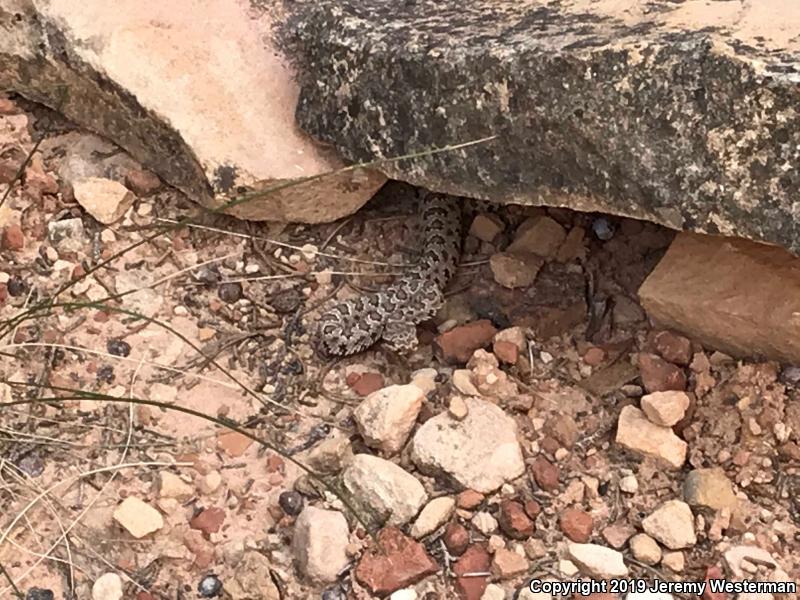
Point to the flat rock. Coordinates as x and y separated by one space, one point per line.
106 200
320 542
541 236
654 114
386 417
515 269
597 560
737 555
394 562
665 408
635 432
457 345
480 452
172 486
672 524
507 564
137 517
709 487
198 94
393 493
433 516
703 284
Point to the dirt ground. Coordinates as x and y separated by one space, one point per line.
217 320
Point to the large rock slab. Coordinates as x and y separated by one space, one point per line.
682 113
731 295
196 91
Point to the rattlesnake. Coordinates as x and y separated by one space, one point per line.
392 313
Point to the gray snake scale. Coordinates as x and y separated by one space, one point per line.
391 314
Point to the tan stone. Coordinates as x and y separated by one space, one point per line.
636 433
138 517
732 295
104 199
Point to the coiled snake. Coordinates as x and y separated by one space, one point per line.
391 314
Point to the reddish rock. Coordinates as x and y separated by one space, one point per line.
549 445
506 352
209 520
539 235
394 562
576 525
703 284
713 573
13 239
532 509
476 559
233 443
365 383
673 347
144 596
456 538
78 272
458 344
37 181
594 356
545 474
201 548
141 182
513 520
469 499
660 376
275 464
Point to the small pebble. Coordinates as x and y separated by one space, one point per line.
39 594
291 503
16 286
603 229
230 292
118 347
209 586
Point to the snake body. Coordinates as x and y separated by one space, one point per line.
391 314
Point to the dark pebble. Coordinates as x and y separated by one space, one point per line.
39 594
118 347
291 503
335 593
230 292
206 274
16 286
209 586
286 301
105 374
603 229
